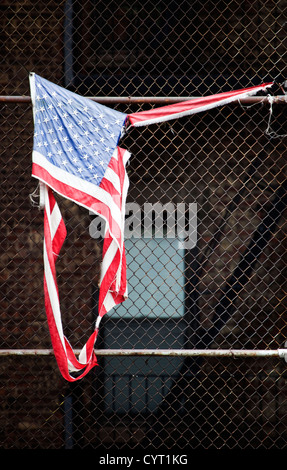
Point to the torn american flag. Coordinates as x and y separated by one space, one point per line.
76 154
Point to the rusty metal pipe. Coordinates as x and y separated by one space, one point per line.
158 352
281 99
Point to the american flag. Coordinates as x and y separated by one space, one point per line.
76 154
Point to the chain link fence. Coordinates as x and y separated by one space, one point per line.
227 292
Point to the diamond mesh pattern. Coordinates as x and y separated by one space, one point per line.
229 291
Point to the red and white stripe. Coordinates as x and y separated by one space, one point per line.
195 105
113 286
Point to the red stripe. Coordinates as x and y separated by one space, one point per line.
117 165
108 283
75 195
58 240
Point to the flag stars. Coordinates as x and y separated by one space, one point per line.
77 137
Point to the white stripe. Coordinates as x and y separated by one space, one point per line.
113 178
33 91
53 295
55 220
77 183
98 321
126 157
109 302
109 255
125 190
83 355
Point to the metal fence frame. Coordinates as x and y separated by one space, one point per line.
244 407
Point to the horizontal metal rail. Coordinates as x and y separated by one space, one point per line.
281 99
282 353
